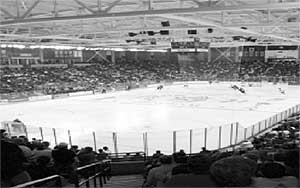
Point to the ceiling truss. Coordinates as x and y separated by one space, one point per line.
107 23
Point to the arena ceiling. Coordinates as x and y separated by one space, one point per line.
107 23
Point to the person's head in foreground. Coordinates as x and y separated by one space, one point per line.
231 172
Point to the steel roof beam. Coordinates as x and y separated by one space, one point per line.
86 7
158 12
112 6
235 29
6 12
30 9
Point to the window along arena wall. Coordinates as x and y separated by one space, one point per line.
52 120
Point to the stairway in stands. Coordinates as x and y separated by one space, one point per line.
125 181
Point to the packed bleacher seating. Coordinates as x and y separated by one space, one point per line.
271 69
53 80
108 75
269 160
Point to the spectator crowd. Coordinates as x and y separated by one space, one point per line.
270 160
23 160
107 75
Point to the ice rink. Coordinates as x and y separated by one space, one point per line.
158 112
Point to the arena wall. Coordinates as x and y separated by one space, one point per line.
81 93
40 98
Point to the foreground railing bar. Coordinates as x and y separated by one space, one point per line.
40 181
90 165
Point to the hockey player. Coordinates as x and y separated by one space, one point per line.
160 87
242 90
235 87
282 91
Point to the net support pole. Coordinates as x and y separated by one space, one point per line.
220 136
95 143
146 143
191 141
266 124
205 137
70 137
231 134
26 132
8 129
174 141
54 134
236 133
41 132
115 141
245 133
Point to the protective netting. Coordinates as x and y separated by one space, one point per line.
190 140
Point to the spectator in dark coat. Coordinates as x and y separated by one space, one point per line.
12 159
199 176
64 161
231 172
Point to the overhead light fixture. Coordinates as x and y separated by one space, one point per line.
132 34
237 37
151 33
128 41
292 19
165 23
192 32
46 40
164 32
250 39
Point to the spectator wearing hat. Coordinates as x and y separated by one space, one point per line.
199 174
101 155
29 155
64 161
12 160
43 150
158 175
86 156
231 172
274 176
107 151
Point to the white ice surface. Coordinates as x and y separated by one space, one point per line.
159 112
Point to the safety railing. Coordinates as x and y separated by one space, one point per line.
83 176
42 182
99 170
127 156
